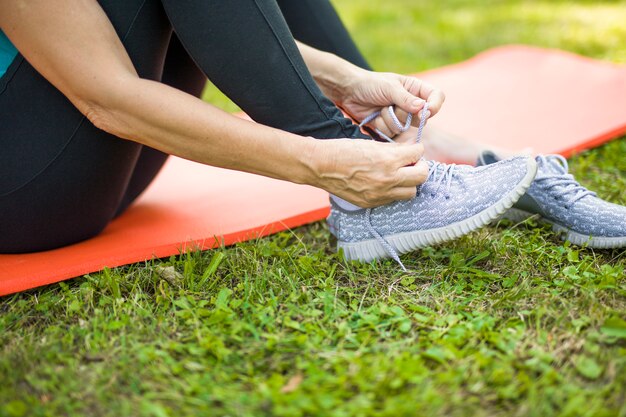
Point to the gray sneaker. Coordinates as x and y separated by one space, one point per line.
454 201
574 211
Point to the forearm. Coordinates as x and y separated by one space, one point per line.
81 54
333 75
177 123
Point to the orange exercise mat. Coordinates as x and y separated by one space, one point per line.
519 96
512 96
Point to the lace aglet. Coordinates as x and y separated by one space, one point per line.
402 265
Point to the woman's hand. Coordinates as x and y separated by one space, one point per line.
368 173
370 91
360 92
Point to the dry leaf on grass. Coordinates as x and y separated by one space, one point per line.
169 274
292 384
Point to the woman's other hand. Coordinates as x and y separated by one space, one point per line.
360 92
370 91
368 173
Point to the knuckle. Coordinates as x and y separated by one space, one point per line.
371 198
399 178
382 183
367 195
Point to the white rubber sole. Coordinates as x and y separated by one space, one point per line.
579 239
368 250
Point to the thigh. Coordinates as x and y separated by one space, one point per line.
61 178
246 49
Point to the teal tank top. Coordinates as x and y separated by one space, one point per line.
7 53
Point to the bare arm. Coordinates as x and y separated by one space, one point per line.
91 67
80 53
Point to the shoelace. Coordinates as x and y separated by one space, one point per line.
446 171
425 114
562 178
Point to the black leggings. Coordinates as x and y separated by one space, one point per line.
62 180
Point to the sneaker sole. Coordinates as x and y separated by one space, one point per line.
579 239
368 250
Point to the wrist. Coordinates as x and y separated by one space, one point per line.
303 162
311 158
347 81
337 78
321 161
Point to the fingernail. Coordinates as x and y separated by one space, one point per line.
417 103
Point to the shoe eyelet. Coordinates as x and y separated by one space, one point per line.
447 196
433 195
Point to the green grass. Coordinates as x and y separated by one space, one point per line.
508 321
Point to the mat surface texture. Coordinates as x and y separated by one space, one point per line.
513 96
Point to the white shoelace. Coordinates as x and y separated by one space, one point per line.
401 127
439 175
570 187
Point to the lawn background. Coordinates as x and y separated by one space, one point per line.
507 321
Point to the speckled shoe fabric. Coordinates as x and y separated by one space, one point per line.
455 200
557 198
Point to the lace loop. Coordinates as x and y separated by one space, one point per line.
424 114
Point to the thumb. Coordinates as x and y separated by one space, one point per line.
405 100
409 154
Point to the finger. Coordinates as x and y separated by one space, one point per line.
406 100
435 101
396 125
434 96
409 154
379 199
412 176
380 124
426 91
403 193
407 137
